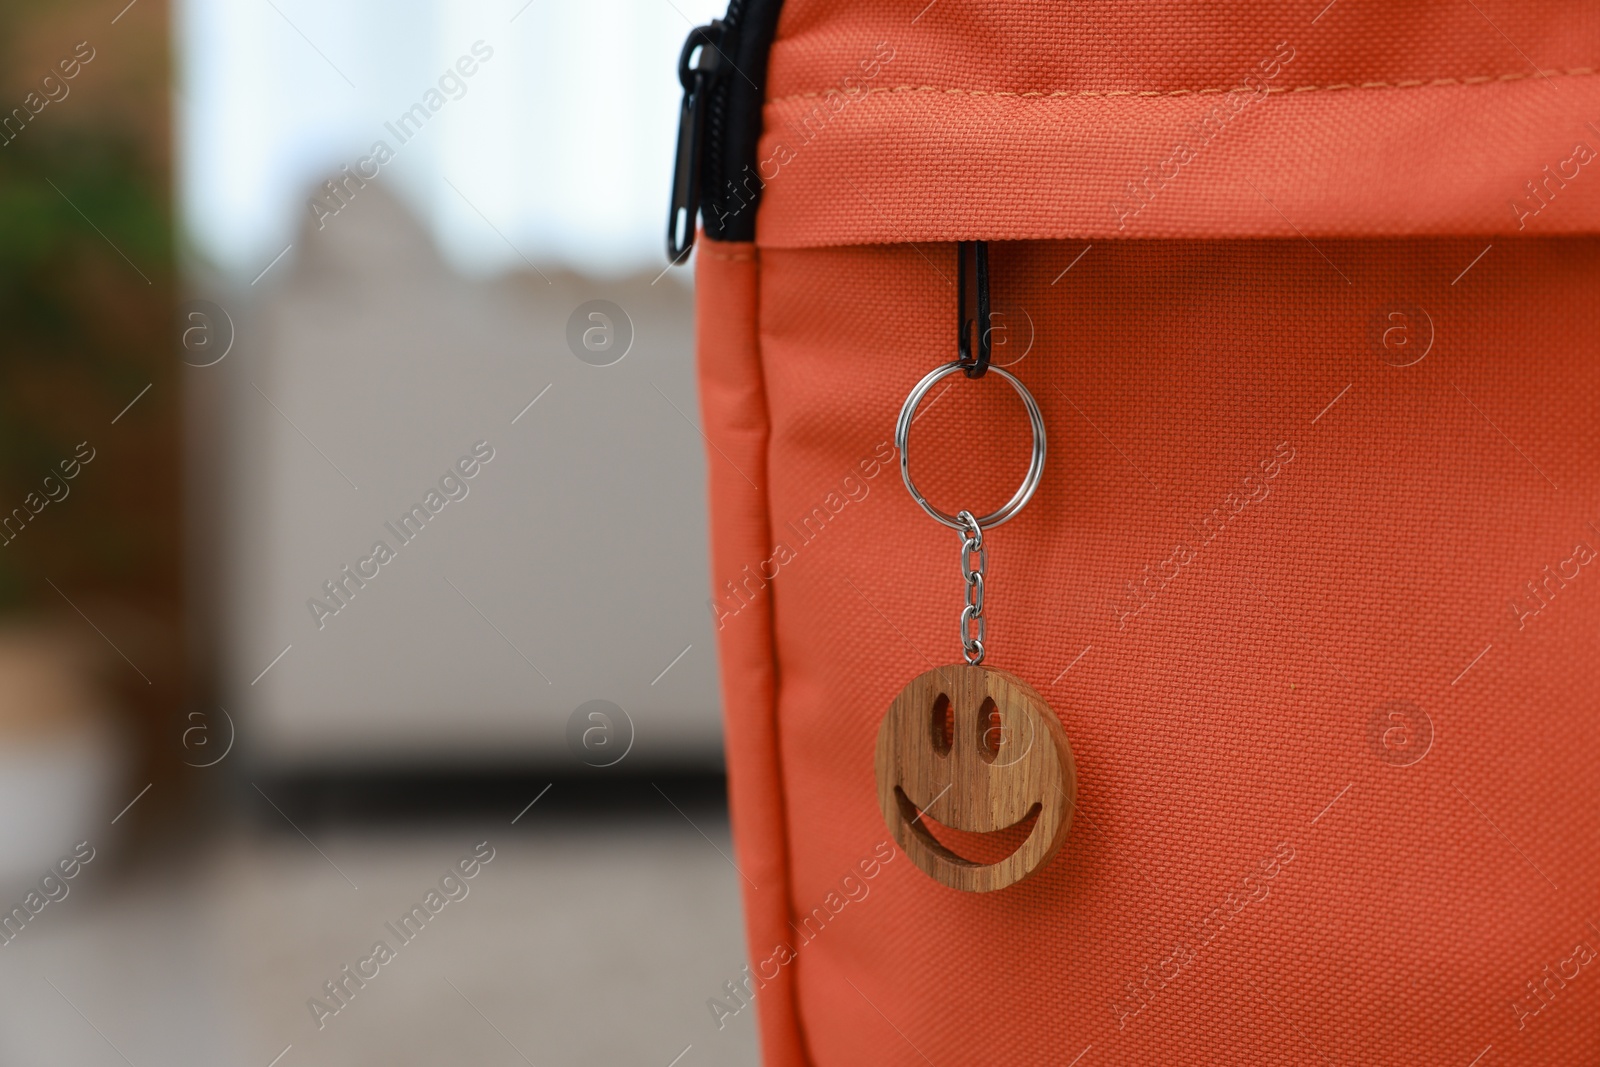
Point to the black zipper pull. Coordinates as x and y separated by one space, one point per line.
699 67
975 367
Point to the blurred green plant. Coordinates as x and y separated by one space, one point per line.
85 254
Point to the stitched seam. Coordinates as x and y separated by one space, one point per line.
1410 83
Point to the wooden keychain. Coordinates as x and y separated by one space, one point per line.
973 748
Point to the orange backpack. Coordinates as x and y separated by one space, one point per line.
1307 296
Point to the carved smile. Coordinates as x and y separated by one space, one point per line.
1005 840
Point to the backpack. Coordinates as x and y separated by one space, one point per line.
1305 296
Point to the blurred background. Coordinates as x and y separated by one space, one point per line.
353 541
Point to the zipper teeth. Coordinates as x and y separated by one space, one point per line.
711 165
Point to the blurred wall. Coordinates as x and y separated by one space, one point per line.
569 566
370 318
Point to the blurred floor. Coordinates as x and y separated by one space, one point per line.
579 943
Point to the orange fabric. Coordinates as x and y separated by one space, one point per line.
993 119
733 406
1228 719
1313 492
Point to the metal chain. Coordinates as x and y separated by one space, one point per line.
972 624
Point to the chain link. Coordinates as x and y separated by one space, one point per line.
972 623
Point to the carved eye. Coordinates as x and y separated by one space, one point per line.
990 731
943 725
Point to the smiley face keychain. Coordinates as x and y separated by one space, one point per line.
974 748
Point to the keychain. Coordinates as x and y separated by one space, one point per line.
970 747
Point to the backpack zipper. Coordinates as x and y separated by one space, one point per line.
722 69
700 67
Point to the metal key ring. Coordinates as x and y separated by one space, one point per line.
1030 481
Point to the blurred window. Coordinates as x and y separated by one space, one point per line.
556 149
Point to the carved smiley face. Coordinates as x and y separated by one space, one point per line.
978 751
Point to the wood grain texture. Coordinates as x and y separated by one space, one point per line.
979 751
